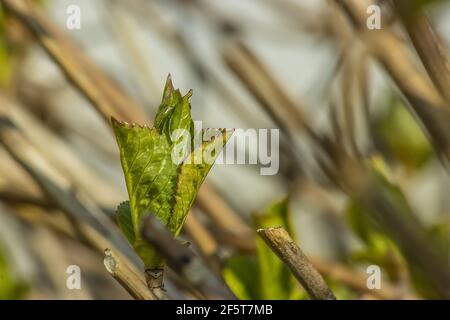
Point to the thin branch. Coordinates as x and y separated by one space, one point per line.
210 201
207 245
183 261
99 89
255 76
396 218
284 247
118 265
394 55
17 197
130 280
154 277
428 44
284 111
356 280
60 155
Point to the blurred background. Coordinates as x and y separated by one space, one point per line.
364 139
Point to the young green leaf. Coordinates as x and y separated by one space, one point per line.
382 247
158 179
125 221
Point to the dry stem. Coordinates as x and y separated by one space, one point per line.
284 247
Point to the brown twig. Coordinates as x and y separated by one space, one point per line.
154 277
224 217
207 245
396 218
60 155
396 58
130 280
284 247
255 76
120 267
184 261
354 279
286 113
56 186
428 44
99 89
14 197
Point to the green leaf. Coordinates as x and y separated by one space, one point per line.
191 175
125 222
10 51
378 247
174 112
399 133
276 214
241 274
150 174
156 183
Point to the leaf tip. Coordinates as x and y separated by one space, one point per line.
118 123
189 94
168 88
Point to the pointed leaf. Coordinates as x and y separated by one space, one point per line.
191 175
157 182
150 174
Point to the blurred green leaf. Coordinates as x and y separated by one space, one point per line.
402 136
419 4
8 51
379 249
242 275
440 233
11 288
341 292
380 246
5 54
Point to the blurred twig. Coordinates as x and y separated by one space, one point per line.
394 55
60 155
207 245
102 91
262 85
119 266
130 41
428 44
354 279
16 197
56 186
286 113
393 214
